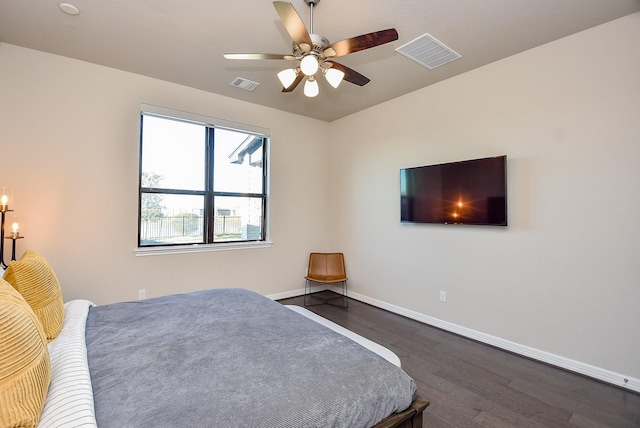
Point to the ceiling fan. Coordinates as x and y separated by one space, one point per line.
314 53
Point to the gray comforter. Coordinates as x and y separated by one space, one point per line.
232 358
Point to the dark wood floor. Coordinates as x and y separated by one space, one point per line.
470 384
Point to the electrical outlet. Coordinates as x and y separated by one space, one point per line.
443 296
142 294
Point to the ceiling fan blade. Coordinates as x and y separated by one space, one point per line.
350 75
293 23
295 83
257 56
365 41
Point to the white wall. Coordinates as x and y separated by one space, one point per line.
70 141
564 277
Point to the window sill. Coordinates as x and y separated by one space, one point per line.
201 248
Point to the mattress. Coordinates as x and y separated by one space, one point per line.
70 401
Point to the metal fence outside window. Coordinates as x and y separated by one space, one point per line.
164 228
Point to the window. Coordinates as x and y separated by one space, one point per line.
200 182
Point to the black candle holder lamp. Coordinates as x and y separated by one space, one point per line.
15 234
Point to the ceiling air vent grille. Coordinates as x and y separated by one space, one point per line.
242 83
428 51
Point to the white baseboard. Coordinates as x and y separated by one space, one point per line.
604 375
598 373
300 292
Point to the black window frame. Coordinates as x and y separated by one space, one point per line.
208 193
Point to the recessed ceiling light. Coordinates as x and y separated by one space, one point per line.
69 9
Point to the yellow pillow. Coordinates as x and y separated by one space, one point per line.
25 370
34 278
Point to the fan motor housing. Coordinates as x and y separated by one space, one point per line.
319 44
319 41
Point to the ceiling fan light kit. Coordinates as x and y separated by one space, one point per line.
333 76
314 52
309 65
287 77
311 88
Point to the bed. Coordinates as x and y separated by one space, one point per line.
220 358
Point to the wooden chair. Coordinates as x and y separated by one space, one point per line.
326 268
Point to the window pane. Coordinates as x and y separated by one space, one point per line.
173 154
171 219
238 162
237 219
187 163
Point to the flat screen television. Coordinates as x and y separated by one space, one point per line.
466 192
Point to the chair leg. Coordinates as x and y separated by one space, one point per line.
308 285
344 298
344 293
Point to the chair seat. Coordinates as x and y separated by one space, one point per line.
324 280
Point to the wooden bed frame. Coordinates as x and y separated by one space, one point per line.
409 418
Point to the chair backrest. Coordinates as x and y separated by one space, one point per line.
326 267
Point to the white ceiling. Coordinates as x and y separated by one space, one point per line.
183 41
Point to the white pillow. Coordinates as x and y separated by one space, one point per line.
69 402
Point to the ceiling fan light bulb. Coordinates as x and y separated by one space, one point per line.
334 76
309 65
287 77
311 88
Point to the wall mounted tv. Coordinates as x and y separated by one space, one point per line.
466 192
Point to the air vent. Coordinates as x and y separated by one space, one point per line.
242 83
428 51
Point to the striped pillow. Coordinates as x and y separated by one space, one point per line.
34 278
70 399
25 369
